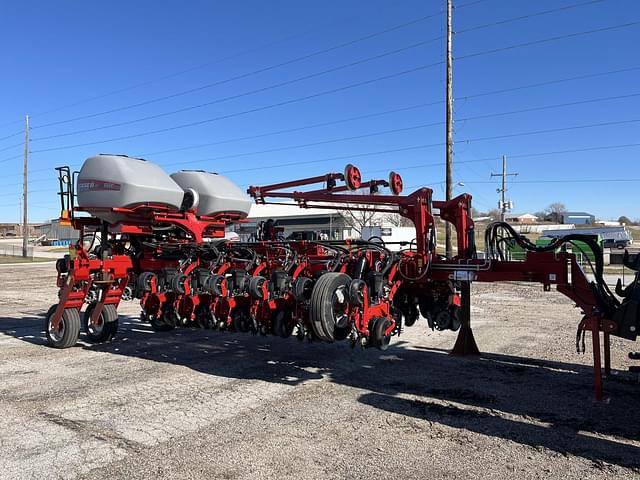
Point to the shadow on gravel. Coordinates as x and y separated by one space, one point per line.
539 403
29 329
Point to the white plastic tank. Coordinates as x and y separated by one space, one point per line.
118 181
216 193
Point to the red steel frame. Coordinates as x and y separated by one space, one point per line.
111 272
547 268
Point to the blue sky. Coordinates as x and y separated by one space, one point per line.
64 60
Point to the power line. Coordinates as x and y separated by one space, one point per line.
548 107
294 129
11 146
569 180
244 75
547 40
253 110
11 158
530 15
11 136
468 4
322 142
327 92
187 70
300 79
306 162
399 168
479 139
549 130
522 155
333 122
239 95
549 82
544 107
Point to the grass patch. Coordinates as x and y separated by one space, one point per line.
12 259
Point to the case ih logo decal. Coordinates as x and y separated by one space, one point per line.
96 185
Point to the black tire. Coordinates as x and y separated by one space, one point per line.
356 292
376 328
166 322
283 323
107 324
411 315
213 285
143 283
327 305
69 330
255 287
241 321
204 318
317 330
178 283
302 288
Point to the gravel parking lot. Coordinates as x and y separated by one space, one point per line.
203 404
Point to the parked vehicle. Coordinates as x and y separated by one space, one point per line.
613 237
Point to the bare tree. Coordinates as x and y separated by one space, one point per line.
358 219
494 214
555 211
397 220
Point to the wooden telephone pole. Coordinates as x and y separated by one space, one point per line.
449 129
25 215
504 205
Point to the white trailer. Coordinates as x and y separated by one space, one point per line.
614 237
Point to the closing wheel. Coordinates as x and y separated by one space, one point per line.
165 322
178 283
255 287
143 283
283 323
241 320
329 306
356 292
204 317
377 327
411 315
105 328
302 289
68 330
213 285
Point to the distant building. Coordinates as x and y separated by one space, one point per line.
577 218
325 223
54 231
15 229
523 218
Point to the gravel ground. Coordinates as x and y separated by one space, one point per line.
199 404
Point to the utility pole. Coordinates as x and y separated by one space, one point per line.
25 215
503 204
449 129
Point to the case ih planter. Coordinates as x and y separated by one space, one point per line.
163 237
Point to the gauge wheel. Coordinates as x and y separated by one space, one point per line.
66 334
107 324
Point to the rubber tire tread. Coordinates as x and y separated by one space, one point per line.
71 318
110 318
316 324
321 306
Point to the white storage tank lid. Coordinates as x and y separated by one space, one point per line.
217 193
119 181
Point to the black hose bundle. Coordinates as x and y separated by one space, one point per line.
495 237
